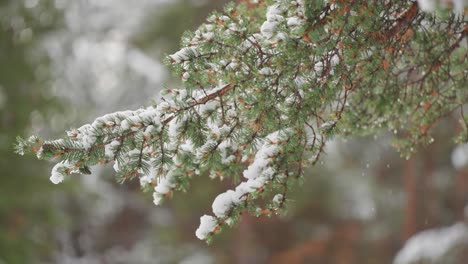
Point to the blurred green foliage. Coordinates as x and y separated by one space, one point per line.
26 217
164 27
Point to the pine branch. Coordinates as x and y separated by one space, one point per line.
266 85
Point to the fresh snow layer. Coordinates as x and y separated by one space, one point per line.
58 171
207 225
433 245
460 156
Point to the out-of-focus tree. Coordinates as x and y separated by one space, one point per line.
163 29
26 217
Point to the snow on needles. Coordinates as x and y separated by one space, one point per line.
224 202
257 175
207 225
184 54
59 171
433 245
163 188
273 18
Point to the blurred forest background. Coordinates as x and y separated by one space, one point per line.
63 63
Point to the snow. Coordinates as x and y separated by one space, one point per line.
207 225
294 22
208 107
185 76
164 187
266 71
226 149
460 156
110 148
187 146
174 127
427 5
58 171
184 54
273 17
86 136
263 157
432 5
208 36
116 166
224 202
148 178
268 28
148 131
333 59
433 245
257 175
165 184
274 13
250 185
277 199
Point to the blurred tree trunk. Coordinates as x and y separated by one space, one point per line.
461 194
245 250
411 191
